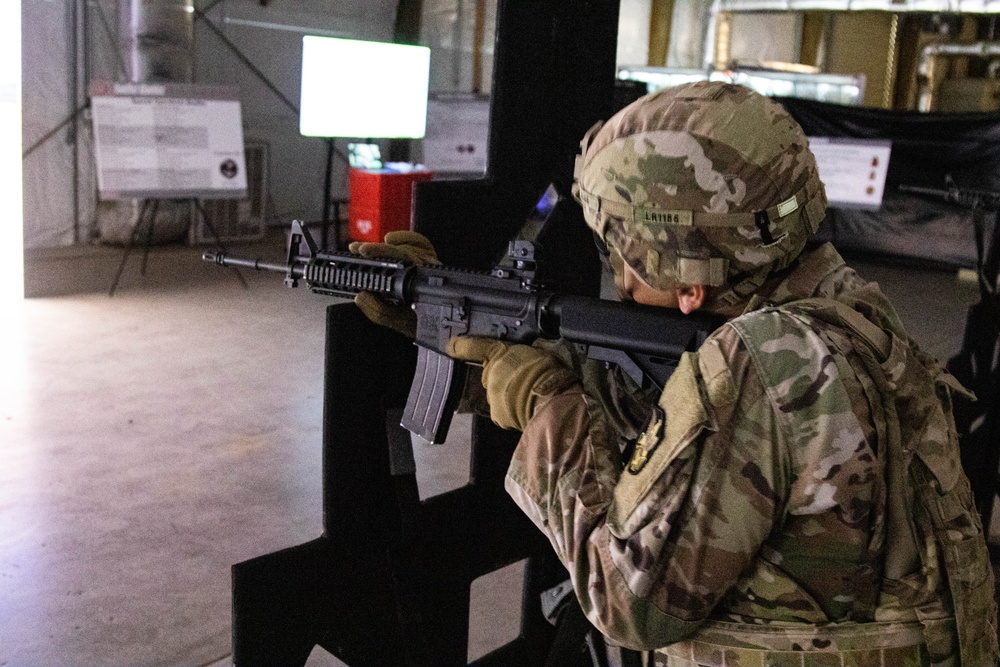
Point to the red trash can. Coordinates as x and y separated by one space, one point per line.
381 201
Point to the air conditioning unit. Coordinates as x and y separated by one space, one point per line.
237 219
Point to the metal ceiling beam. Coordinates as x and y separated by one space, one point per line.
949 6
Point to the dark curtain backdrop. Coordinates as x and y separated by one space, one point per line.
926 148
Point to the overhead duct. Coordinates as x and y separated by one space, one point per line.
894 6
157 43
691 29
157 39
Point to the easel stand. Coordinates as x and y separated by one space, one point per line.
152 206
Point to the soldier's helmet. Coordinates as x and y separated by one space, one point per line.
705 183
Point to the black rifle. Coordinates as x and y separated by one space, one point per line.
971 198
979 202
506 304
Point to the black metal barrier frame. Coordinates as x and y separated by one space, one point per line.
388 582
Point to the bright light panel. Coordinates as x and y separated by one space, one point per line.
11 217
365 90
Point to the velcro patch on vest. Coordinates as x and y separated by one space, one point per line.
788 206
719 383
648 441
683 418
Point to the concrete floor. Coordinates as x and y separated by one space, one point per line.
150 440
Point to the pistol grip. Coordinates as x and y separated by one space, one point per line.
434 395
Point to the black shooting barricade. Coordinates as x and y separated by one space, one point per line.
977 366
388 582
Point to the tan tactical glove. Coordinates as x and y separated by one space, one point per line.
404 246
516 377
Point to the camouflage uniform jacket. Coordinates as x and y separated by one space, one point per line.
759 495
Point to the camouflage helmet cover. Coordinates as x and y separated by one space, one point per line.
706 183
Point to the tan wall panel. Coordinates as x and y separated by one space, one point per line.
661 13
859 44
813 27
766 37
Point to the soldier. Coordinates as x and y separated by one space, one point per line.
794 495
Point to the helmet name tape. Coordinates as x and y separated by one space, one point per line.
685 218
663 217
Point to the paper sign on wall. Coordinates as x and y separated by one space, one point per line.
458 129
168 141
853 170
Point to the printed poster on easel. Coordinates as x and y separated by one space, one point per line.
168 141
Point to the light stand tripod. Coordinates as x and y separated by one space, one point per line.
152 206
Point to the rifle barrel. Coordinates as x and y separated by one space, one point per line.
969 198
257 264
917 189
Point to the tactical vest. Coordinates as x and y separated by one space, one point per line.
941 531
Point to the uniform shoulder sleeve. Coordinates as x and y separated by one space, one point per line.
652 546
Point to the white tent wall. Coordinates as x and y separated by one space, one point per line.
269 36
633 32
449 28
47 72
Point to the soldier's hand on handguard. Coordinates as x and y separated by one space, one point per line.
402 246
516 377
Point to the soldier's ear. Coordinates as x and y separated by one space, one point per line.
690 297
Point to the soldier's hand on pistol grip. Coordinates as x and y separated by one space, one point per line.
516 377
402 246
